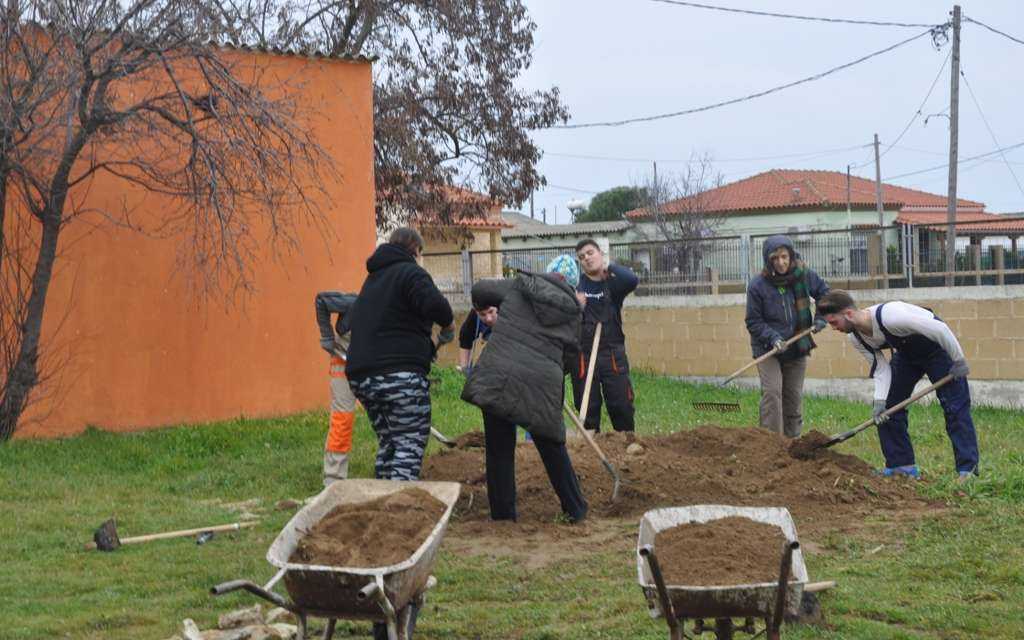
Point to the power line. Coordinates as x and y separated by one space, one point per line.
914 117
990 132
818 76
993 30
805 154
555 186
790 16
959 162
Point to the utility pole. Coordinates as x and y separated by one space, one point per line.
882 262
531 205
849 213
954 118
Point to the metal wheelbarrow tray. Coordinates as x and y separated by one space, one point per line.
697 602
378 594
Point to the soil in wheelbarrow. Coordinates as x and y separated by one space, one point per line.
376 533
727 551
830 492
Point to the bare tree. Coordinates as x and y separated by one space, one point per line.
135 90
681 212
446 107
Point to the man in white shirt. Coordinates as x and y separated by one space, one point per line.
921 344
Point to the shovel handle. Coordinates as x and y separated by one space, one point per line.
585 404
761 359
888 412
586 435
181 534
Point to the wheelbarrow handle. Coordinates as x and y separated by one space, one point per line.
764 357
888 412
255 589
647 553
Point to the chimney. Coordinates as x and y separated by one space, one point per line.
796 193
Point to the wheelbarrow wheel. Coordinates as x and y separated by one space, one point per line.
411 611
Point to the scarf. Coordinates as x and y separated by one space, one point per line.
796 279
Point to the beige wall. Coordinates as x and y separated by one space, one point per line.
706 336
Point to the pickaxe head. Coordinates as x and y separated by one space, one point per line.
106 536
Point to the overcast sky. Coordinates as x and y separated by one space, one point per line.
619 59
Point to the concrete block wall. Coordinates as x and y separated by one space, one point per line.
705 336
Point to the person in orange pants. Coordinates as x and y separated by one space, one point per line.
335 341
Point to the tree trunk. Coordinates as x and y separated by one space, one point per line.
24 374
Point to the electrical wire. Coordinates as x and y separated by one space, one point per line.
990 132
790 16
818 76
804 155
993 29
574 189
959 162
913 118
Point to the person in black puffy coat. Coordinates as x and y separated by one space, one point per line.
518 380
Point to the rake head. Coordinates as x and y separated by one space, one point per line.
717 406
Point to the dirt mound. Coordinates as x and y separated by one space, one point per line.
720 552
707 465
375 533
809 446
470 440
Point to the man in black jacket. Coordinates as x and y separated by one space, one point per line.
602 289
392 349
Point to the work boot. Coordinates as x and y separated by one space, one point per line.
908 470
966 476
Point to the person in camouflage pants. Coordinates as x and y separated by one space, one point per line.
398 405
392 351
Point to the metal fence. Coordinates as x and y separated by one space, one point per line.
897 256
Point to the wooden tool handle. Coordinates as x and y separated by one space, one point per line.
180 534
896 407
761 359
586 434
585 404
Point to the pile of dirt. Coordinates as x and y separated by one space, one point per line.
708 465
470 440
809 446
727 551
375 533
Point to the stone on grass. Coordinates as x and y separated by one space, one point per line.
277 614
284 630
241 617
189 630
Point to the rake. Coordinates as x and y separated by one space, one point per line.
734 406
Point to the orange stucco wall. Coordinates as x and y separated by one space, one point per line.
138 350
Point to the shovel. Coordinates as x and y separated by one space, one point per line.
600 454
440 437
584 405
734 406
867 423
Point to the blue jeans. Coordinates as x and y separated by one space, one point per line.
955 398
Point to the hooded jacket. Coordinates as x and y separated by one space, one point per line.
771 311
519 375
392 318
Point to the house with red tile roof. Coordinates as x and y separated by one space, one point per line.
782 200
473 223
800 202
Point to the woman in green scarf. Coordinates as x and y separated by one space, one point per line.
779 307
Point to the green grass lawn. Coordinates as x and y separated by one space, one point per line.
960 575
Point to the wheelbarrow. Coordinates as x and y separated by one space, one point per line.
390 595
766 601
